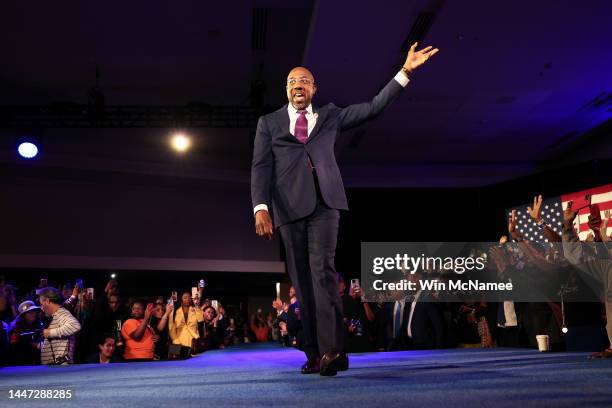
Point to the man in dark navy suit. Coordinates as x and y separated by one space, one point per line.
294 171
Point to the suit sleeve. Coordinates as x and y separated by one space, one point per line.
437 324
355 115
262 166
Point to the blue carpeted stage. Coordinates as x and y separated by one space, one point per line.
265 374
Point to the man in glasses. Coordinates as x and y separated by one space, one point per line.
294 174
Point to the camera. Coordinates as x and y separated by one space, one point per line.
60 360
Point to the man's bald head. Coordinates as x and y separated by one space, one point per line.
298 72
300 87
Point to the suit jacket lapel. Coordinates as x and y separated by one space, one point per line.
322 113
283 121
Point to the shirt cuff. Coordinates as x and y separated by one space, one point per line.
260 207
53 333
401 78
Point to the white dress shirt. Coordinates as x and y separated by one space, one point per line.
311 116
399 308
412 306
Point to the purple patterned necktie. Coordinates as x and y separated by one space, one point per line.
301 126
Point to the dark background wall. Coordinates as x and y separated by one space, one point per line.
462 214
87 214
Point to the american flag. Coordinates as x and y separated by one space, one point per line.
552 212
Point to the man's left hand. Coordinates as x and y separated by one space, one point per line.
46 333
417 58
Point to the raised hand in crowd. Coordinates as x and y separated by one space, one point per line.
111 286
500 258
277 304
595 223
169 309
534 211
512 227
569 216
535 214
355 292
604 227
148 311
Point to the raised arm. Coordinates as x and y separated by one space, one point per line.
354 115
535 214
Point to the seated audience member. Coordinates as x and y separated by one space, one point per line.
138 336
106 353
59 337
358 317
24 334
183 323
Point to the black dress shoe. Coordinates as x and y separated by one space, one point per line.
332 362
343 363
311 366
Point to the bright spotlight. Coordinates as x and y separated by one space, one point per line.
564 329
113 275
181 143
27 150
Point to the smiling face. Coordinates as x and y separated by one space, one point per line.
300 87
209 314
108 347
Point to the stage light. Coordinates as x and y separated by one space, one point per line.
180 142
27 150
113 276
564 329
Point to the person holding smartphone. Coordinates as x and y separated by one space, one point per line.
183 323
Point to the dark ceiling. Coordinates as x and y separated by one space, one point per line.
517 86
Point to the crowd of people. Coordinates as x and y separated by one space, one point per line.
417 322
51 326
